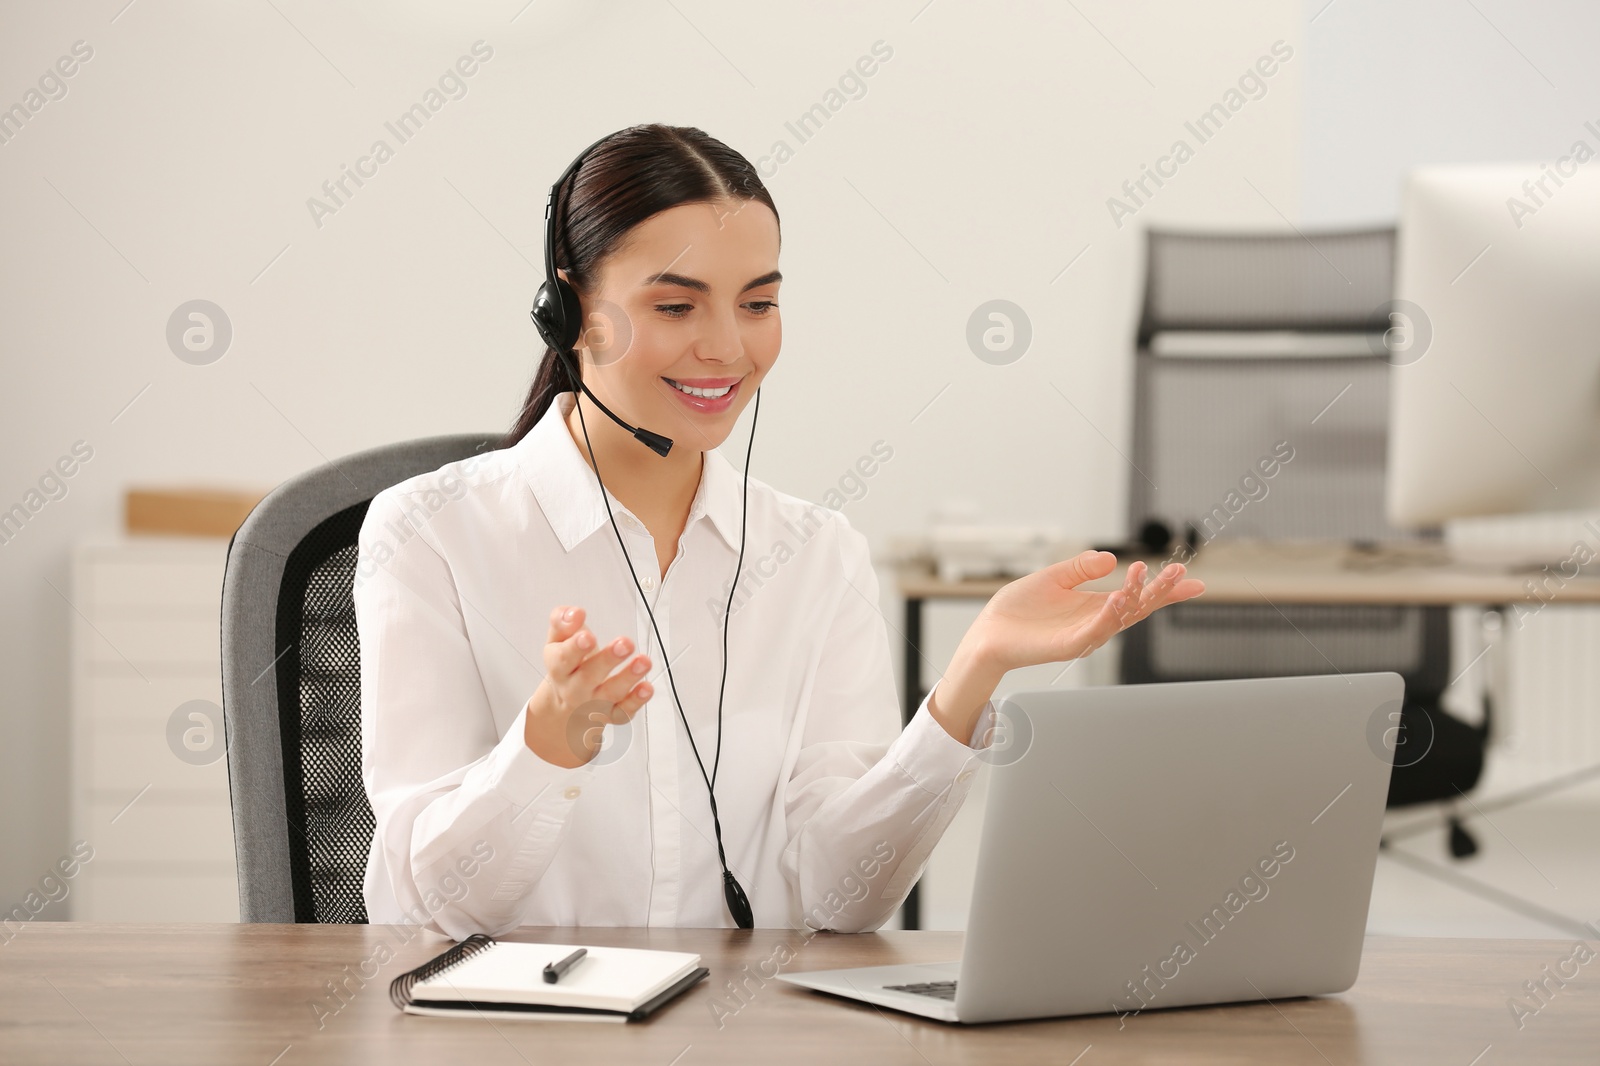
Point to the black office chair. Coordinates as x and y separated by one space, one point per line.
1245 340
291 685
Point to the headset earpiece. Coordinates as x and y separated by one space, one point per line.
558 315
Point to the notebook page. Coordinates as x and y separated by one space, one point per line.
608 978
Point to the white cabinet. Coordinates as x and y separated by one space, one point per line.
149 776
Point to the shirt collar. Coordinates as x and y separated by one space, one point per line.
565 485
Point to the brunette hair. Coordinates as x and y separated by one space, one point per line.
630 176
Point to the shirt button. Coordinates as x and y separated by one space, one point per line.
648 582
573 793
963 775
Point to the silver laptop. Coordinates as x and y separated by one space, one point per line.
1152 846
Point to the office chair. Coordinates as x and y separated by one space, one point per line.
1246 340
291 685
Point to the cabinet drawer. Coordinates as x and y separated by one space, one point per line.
117 892
124 757
192 586
126 700
149 638
157 830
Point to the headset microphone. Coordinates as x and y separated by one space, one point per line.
553 336
558 316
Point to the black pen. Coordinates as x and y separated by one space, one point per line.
554 970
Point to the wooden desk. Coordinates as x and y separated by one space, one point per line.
1270 572
212 994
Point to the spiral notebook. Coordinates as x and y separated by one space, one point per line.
481 974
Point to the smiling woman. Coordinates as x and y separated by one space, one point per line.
611 513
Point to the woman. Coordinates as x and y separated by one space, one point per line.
516 618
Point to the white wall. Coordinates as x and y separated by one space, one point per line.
977 166
1392 85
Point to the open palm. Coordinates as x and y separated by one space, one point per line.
1044 617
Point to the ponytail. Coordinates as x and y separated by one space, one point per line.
547 384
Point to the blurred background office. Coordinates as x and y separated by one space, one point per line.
215 279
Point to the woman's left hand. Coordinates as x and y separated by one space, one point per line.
1043 618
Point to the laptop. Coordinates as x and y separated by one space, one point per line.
1164 845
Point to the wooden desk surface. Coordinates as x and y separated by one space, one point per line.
207 994
1279 572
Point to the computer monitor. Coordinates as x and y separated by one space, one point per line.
1495 341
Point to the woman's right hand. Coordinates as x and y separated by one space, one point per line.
585 687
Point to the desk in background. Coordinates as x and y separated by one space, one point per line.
1261 572
211 994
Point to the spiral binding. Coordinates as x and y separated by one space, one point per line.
400 988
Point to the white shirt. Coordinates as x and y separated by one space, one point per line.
829 810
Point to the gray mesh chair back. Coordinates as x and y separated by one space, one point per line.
291 685
1246 341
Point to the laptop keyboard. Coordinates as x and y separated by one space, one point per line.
936 989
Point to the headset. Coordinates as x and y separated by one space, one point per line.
558 316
